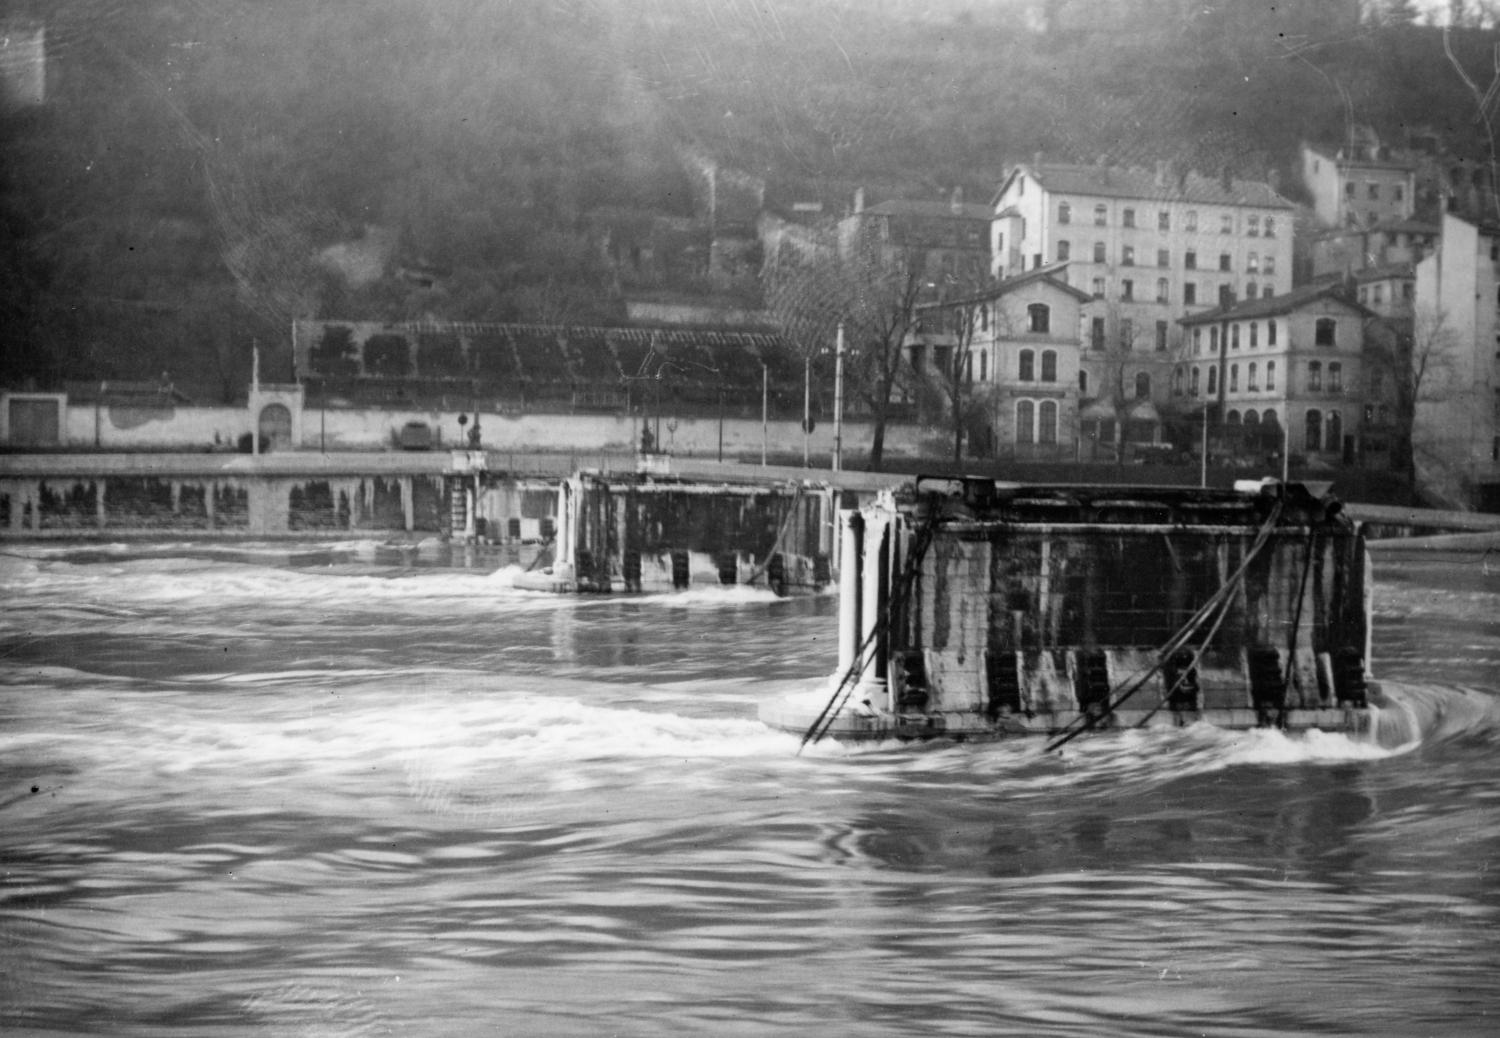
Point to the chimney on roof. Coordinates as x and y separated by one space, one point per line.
859 200
1036 159
1183 172
1273 177
956 200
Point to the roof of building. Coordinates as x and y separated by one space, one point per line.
1047 274
1385 272
1337 154
1284 303
1160 185
1410 225
928 209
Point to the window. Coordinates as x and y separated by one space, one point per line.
1064 212
1098 252
1226 296
1101 215
1046 432
1250 289
1377 294
1213 340
1234 336
1254 334
1251 378
1323 334
1349 189
1193 383
1096 333
1021 185
1224 261
1127 254
1232 418
1038 318
1234 378
1127 332
1374 191
1335 377
1335 431
1190 259
1252 263
1162 290
1267 292
1251 418
1213 381
984 373
1197 341
1179 379
1127 289
1268 417
1315 376
1270 227
1270 374
1252 226
1400 192
1083 382
1000 243
1098 287
1161 335
1312 434
1028 366
1191 220
1189 294
1163 257
1025 421
1142 386
1064 249
1049 365
1226 223
1128 217
1270 265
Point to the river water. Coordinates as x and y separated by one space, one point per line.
245 791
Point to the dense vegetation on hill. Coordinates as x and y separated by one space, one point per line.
168 204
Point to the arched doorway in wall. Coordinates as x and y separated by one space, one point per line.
275 428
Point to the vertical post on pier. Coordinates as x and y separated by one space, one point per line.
877 591
851 533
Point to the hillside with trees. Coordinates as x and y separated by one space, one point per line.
203 173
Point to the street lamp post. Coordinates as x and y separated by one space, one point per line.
838 401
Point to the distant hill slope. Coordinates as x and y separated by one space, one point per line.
169 202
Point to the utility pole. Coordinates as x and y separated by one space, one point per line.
765 411
806 408
838 401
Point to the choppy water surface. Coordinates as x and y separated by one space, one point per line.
241 797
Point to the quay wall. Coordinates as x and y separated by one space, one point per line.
310 425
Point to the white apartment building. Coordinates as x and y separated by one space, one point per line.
1019 361
1149 247
1359 186
1456 345
1292 364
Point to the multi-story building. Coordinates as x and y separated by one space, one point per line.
1455 347
1340 250
945 243
1388 290
1013 350
1148 247
1360 185
1287 368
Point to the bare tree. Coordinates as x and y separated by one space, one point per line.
1417 361
874 293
